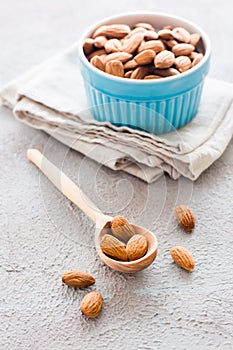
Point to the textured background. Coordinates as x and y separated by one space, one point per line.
42 234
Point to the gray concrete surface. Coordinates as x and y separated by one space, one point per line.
42 234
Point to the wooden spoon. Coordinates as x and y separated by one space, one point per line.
75 195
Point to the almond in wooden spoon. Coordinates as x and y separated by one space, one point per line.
122 229
113 247
136 247
103 222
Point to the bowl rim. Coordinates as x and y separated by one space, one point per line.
105 75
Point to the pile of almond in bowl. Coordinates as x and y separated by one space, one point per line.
142 52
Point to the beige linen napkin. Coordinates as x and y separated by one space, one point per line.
51 97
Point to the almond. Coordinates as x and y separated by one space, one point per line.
100 41
152 76
121 228
128 74
164 59
97 62
115 67
150 35
145 57
77 279
113 247
88 46
136 247
146 26
116 30
91 304
193 55
103 56
170 43
140 72
134 31
165 72
185 217
156 45
181 34
99 31
113 45
182 49
194 39
119 56
168 27
99 52
165 34
131 64
131 44
197 59
183 258
182 63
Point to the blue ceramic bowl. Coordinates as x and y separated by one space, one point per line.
156 106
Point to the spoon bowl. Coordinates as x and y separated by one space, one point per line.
129 266
103 222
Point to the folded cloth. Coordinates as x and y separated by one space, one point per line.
51 97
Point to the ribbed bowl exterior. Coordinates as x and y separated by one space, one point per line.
158 106
157 117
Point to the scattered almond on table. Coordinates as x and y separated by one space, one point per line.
77 279
91 304
124 244
185 217
141 52
183 258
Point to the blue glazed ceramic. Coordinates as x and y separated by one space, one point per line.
156 106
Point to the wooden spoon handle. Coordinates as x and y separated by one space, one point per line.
65 185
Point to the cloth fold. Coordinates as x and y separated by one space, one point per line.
51 97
